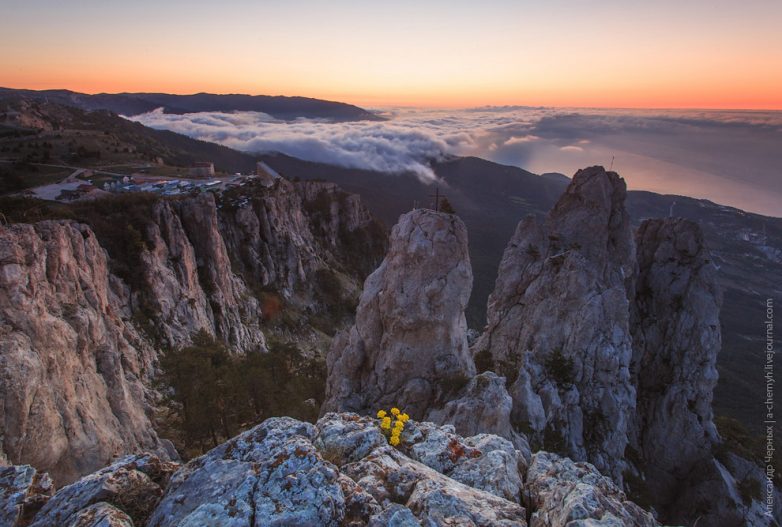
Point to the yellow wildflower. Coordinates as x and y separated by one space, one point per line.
392 424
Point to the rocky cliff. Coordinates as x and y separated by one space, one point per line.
610 347
79 344
559 323
188 281
339 472
676 336
71 362
212 259
409 343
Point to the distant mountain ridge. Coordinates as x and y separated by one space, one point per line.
280 107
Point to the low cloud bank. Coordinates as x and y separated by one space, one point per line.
384 147
728 156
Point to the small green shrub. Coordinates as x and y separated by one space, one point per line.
509 368
737 439
483 361
452 385
329 287
560 368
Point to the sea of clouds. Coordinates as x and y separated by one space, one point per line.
731 157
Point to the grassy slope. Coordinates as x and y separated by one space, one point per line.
56 134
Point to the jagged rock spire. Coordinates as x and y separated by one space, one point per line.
676 332
558 322
409 344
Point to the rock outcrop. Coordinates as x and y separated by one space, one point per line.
23 491
610 346
676 333
79 344
559 323
482 406
566 494
341 472
132 484
71 363
188 282
408 346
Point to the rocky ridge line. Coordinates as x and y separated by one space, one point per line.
339 472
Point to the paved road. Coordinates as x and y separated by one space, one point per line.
95 170
71 182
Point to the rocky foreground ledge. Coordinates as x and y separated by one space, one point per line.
338 472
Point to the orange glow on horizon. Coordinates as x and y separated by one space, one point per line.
669 54
769 100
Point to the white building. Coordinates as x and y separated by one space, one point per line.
202 169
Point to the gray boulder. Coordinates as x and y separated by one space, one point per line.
133 484
482 406
100 515
563 493
433 498
23 491
269 475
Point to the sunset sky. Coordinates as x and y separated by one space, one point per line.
664 54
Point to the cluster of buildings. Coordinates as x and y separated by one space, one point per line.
201 179
167 187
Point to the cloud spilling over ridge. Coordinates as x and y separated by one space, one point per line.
384 147
731 157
